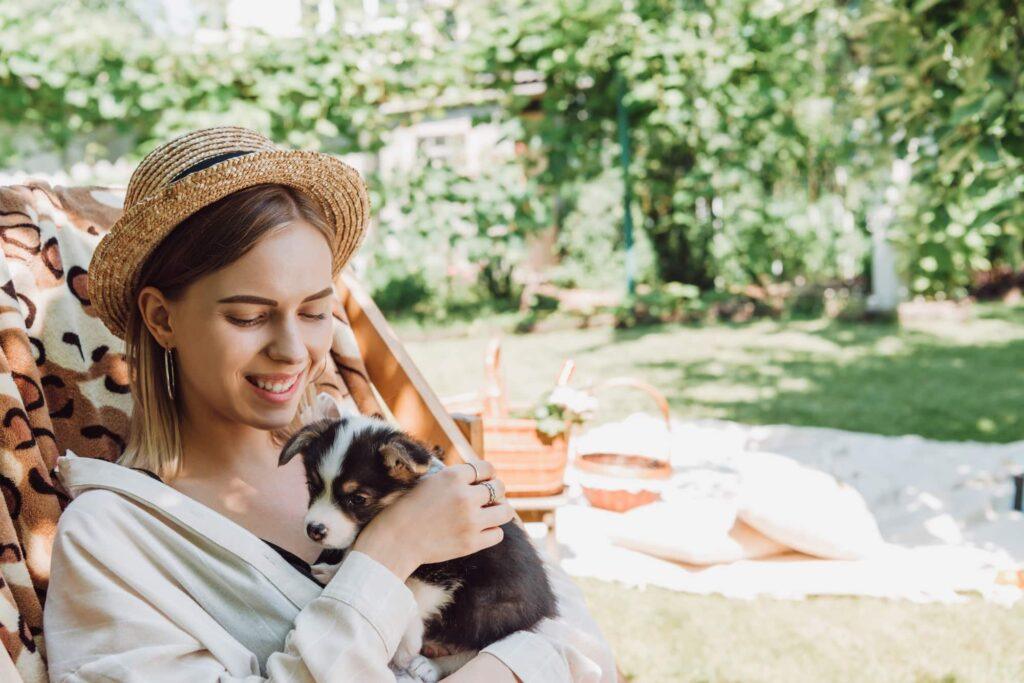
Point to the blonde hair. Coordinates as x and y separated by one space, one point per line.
211 238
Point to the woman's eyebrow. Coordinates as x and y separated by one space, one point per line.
252 299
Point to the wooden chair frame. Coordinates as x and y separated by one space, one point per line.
401 385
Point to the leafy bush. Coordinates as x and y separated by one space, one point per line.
761 133
461 236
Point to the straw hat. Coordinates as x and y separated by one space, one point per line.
196 169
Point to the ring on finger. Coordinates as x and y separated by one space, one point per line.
490 488
476 472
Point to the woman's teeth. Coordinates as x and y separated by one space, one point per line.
276 388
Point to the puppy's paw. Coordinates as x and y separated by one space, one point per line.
424 669
405 655
324 572
403 676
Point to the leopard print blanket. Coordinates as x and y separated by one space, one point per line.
64 385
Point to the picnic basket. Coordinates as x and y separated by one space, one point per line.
621 481
527 461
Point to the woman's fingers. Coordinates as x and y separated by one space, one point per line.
496 515
499 489
480 470
489 537
484 495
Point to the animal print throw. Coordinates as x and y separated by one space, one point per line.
64 384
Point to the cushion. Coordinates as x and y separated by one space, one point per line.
805 509
695 531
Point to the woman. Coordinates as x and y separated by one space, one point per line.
187 559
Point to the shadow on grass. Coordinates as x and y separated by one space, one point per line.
936 389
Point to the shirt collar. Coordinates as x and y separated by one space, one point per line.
79 474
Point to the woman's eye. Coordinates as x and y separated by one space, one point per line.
248 322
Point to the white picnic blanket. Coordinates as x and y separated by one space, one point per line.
944 509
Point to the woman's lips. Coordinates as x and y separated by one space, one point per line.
282 397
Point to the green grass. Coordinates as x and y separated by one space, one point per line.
660 635
942 380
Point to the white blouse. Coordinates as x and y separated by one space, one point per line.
148 584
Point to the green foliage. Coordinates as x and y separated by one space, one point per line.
591 244
946 81
737 128
671 302
460 237
762 134
74 67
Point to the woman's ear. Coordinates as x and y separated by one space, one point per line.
156 314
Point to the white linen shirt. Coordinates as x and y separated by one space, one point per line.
148 584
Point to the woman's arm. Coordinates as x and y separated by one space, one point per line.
112 614
483 667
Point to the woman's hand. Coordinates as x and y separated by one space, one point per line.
442 518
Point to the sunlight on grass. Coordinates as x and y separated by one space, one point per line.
660 635
940 379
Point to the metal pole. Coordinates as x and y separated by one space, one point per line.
627 194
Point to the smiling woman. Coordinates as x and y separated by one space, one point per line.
260 228
220 275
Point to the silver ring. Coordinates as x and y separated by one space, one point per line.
476 472
490 488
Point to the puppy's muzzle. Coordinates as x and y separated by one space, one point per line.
316 531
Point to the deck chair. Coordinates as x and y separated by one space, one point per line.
64 385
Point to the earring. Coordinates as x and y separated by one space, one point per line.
169 372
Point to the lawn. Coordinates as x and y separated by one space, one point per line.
942 379
939 379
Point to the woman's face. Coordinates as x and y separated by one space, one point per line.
266 314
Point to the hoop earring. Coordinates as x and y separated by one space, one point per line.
169 372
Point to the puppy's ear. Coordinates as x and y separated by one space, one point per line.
301 439
405 459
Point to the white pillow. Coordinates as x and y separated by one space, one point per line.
699 531
806 509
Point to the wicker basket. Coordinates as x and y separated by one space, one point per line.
605 471
526 460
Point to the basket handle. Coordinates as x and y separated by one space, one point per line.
495 397
565 374
644 386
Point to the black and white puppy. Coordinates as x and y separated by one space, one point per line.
355 467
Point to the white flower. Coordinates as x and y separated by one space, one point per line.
574 400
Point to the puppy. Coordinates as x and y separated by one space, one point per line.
355 467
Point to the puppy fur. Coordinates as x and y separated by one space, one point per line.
355 467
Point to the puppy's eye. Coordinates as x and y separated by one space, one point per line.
357 500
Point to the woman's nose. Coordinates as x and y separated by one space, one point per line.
288 345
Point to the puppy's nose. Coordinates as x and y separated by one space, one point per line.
316 531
